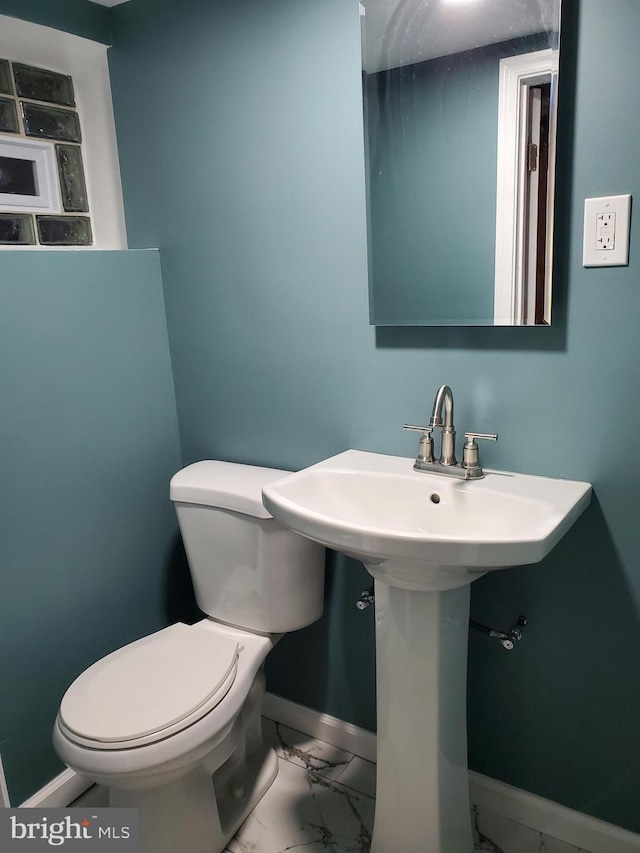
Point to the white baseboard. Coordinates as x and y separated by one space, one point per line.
5 803
521 807
58 793
582 831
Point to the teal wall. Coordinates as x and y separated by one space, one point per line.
73 16
241 146
88 443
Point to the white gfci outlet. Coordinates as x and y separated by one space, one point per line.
606 231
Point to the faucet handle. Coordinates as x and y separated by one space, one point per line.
425 452
470 452
487 436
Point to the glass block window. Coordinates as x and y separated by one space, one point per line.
40 85
16 229
43 193
6 87
8 116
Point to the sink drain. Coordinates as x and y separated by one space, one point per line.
435 499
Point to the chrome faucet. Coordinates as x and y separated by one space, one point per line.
444 400
469 468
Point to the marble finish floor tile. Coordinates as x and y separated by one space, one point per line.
359 775
96 797
323 799
323 758
312 754
303 809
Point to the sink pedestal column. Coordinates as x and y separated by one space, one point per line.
422 799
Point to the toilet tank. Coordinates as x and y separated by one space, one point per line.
247 569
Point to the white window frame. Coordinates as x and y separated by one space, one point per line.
517 73
42 155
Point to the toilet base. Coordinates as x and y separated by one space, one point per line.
200 811
186 814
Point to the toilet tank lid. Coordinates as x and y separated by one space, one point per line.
226 485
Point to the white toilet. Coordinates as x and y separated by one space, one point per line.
171 722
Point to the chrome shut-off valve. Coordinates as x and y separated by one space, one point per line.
514 634
367 598
507 639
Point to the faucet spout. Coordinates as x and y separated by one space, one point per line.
444 402
444 399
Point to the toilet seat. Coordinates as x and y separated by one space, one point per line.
149 689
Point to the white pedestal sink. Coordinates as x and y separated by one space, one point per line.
424 537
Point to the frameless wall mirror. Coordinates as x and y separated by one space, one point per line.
460 118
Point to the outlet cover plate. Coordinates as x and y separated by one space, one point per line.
606 222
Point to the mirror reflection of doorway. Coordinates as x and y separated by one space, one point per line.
535 303
431 82
524 211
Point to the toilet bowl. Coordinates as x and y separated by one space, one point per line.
171 723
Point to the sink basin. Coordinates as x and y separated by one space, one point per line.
421 530
424 537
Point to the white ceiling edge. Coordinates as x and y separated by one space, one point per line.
109 2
